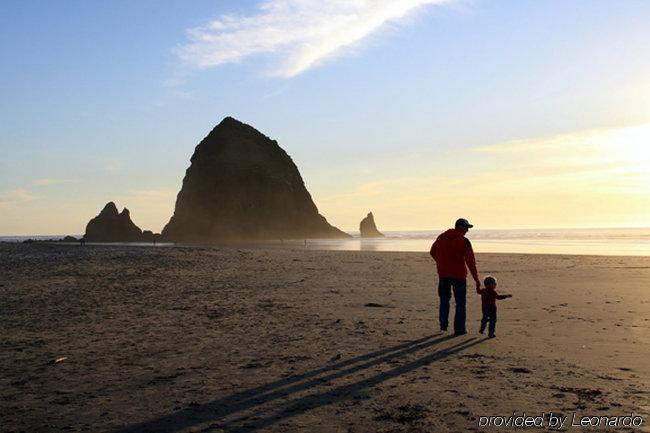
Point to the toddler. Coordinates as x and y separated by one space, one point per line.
489 305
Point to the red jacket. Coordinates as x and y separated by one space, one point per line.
452 251
489 297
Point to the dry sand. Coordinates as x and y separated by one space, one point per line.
224 339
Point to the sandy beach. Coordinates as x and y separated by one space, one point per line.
208 339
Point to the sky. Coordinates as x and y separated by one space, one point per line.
511 113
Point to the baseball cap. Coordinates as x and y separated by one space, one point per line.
464 223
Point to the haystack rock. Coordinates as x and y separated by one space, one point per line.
111 226
241 185
368 229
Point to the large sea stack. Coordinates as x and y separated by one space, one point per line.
112 226
241 185
368 228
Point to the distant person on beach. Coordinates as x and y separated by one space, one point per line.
452 252
489 296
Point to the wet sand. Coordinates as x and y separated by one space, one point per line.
207 339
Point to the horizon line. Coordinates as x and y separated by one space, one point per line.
420 230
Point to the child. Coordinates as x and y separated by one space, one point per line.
488 302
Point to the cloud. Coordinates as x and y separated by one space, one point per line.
19 195
301 33
113 166
183 94
49 181
597 177
175 85
619 155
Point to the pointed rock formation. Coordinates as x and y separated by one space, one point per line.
368 229
111 226
241 185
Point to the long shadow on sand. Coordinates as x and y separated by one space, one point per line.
216 411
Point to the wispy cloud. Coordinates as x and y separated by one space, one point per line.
19 195
301 33
113 166
597 177
176 86
50 181
619 155
173 83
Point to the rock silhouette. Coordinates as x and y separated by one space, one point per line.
241 185
368 229
149 236
112 226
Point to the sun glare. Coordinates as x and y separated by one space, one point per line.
633 145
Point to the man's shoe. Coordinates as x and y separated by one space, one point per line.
443 328
460 332
492 336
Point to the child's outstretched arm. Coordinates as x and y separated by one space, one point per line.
503 296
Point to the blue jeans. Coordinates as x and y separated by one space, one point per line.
489 315
459 287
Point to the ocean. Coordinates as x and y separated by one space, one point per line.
623 241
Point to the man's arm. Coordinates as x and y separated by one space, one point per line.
434 250
470 260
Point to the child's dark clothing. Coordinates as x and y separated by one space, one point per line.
488 301
489 315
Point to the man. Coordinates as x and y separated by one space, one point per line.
452 251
